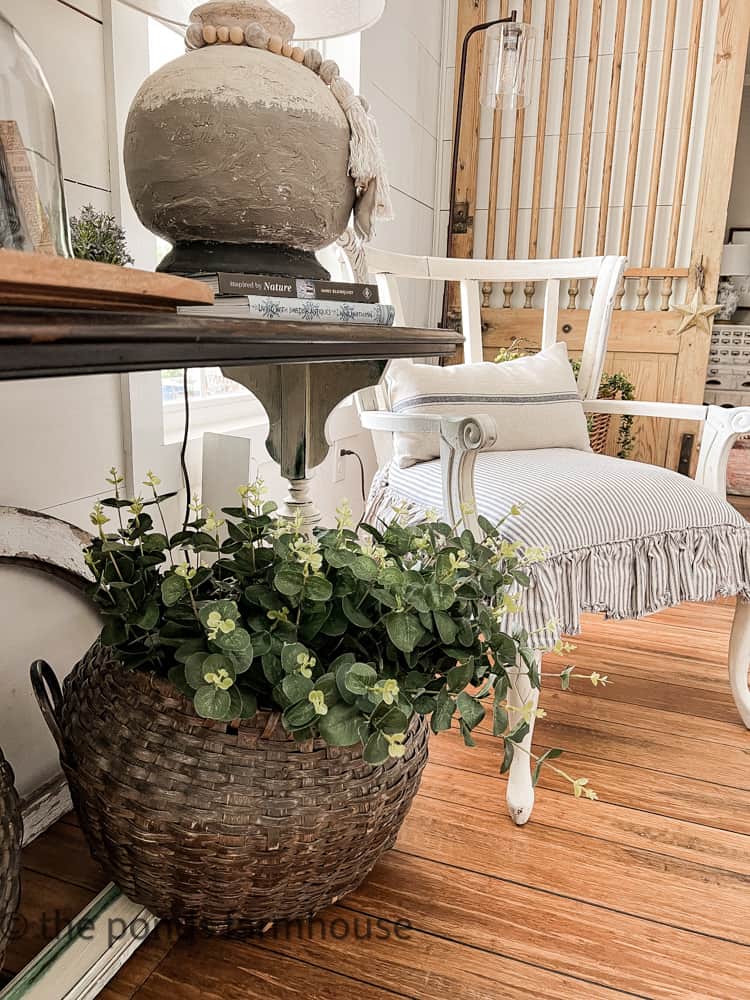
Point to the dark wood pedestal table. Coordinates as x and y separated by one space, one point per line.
299 373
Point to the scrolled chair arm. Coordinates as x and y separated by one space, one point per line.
461 440
476 433
722 428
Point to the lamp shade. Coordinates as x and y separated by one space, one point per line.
313 18
735 259
508 65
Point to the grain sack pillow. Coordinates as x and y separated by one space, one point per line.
534 402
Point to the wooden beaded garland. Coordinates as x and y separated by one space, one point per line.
257 36
365 158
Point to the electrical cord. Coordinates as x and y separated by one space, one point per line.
347 451
183 449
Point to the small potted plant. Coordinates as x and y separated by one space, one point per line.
246 737
99 237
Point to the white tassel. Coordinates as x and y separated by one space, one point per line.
366 161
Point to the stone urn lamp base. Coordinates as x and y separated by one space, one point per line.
196 256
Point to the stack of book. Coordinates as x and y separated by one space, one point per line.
253 296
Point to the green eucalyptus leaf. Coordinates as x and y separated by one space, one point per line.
300 715
176 675
425 704
355 616
376 749
359 677
227 610
365 568
194 669
212 703
341 726
446 627
249 705
263 597
404 630
187 648
290 654
549 755
466 733
459 676
296 687
508 752
339 558
289 581
317 588
472 712
444 711
439 596
173 589
114 632
499 719
237 642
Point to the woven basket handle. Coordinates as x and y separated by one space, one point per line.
49 698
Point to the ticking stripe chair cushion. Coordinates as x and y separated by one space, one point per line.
619 537
533 400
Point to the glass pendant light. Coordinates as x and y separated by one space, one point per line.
508 62
32 200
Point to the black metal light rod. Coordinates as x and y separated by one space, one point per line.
459 112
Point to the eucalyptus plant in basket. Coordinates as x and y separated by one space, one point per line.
348 633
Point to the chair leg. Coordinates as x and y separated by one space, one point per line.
520 794
739 659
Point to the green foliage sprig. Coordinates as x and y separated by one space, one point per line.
348 633
98 236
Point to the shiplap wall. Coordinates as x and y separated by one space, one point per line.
401 78
58 436
606 45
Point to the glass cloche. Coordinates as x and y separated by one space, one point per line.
32 199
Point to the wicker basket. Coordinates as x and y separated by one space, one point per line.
223 828
599 432
10 853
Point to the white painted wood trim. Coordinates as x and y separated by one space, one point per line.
44 542
638 408
551 313
471 322
739 659
520 792
45 807
82 959
458 269
722 429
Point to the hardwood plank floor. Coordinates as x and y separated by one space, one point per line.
643 893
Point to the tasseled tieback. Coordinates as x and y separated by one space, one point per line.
366 161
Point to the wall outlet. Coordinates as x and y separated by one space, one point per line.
339 470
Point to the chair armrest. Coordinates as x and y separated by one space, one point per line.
459 433
636 408
723 427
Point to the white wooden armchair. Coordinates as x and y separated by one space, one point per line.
692 545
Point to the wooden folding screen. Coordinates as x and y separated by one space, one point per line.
633 100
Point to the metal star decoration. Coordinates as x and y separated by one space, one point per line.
696 314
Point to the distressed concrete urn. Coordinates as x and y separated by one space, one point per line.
238 152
